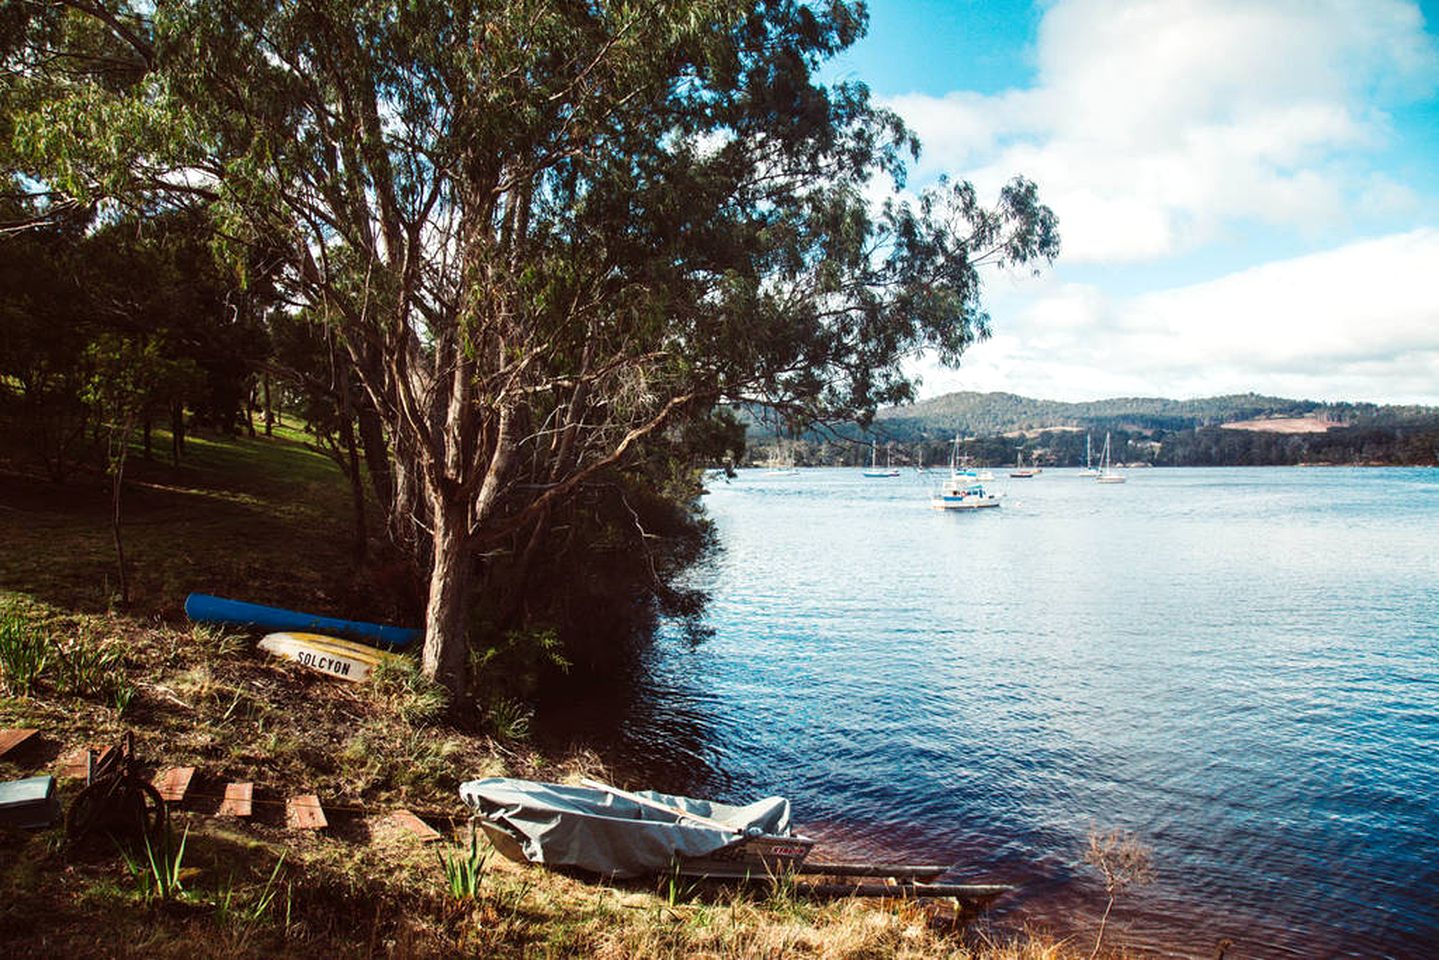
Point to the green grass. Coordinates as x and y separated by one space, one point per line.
265 518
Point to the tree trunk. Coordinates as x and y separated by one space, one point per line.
357 491
250 413
177 432
357 483
446 649
377 457
269 410
117 468
149 454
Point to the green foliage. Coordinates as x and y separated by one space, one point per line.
122 692
509 719
399 682
464 869
158 875
256 908
24 653
87 667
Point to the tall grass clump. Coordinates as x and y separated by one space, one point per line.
24 653
88 668
400 685
464 869
158 875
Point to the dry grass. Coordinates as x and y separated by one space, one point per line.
1285 425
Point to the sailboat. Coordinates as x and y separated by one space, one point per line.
1106 471
962 491
1023 472
1088 470
875 471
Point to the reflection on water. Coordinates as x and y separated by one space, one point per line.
1239 665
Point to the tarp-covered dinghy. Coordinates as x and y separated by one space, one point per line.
616 833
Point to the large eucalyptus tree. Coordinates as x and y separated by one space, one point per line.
544 232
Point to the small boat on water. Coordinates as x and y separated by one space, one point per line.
962 489
1088 469
875 471
1021 471
1106 470
616 833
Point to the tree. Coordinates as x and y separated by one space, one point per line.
543 232
126 375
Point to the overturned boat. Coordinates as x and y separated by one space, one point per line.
616 833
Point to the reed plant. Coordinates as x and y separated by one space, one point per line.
464 869
229 911
159 875
88 668
24 653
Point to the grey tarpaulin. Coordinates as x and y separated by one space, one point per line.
564 826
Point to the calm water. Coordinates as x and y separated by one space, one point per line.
1242 666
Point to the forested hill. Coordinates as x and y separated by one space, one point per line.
991 414
1241 429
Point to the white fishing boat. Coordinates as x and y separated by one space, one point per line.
961 490
1106 470
1089 470
875 471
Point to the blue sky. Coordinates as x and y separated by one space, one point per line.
1248 190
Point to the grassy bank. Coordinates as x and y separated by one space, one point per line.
268 519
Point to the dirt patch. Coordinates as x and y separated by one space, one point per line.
1285 425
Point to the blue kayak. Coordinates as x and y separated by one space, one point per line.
203 608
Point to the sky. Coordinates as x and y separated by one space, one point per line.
1247 190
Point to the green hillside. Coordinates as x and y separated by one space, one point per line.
1239 429
990 414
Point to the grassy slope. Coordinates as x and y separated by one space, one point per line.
268 520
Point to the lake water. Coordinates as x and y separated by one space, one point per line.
1239 665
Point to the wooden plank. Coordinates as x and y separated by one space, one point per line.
12 738
76 765
972 892
896 870
239 800
304 812
407 821
174 783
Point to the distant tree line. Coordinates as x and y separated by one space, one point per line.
1403 437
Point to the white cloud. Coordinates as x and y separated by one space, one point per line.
1154 125
1357 322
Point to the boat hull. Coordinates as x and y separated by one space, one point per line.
331 656
203 608
963 503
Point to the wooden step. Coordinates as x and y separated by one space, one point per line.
12 738
304 812
76 764
239 800
407 821
174 783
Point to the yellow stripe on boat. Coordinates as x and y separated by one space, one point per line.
328 655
